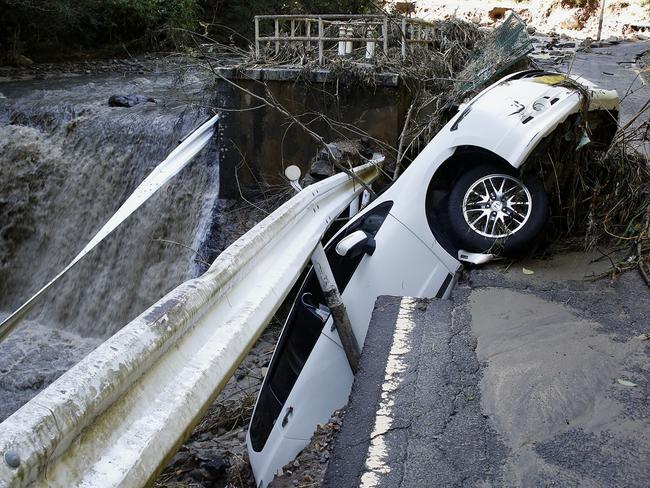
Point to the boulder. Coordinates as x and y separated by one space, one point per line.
498 13
128 100
19 60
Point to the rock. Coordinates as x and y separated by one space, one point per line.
567 45
201 475
181 457
498 13
335 149
19 60
2 96
321 169
531 30
572 23
215 467
613 40
128 100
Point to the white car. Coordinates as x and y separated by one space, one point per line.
462 199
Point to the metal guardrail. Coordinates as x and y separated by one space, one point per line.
118 416
339 34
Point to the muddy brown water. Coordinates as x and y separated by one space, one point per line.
67 162
551 381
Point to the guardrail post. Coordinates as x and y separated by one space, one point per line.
321 43
277 35
342 34
337 307
370 45
257 38
354 207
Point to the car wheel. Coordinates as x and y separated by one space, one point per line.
494 211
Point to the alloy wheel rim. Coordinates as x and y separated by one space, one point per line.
497 206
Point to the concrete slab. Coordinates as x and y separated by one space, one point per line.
615 67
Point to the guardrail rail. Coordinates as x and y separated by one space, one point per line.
118 416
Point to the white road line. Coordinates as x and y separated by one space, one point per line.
395 366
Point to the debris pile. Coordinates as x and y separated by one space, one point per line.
599 194
215 454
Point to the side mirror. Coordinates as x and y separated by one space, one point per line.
355 244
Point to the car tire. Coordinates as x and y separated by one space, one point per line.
492 210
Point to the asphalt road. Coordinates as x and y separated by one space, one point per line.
521 380
613 67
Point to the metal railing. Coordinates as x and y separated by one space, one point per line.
118 416
341 35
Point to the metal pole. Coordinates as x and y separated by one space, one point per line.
277 35
337 307
385 34
600 20
321 43
308 30
257 38
404 38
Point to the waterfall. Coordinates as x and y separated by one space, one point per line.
67 162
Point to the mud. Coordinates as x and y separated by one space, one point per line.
565 369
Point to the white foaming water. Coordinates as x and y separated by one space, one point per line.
67 163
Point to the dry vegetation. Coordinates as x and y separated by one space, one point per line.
599 195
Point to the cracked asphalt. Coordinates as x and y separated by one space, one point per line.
521 379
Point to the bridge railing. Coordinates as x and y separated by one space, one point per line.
118 416
341 35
